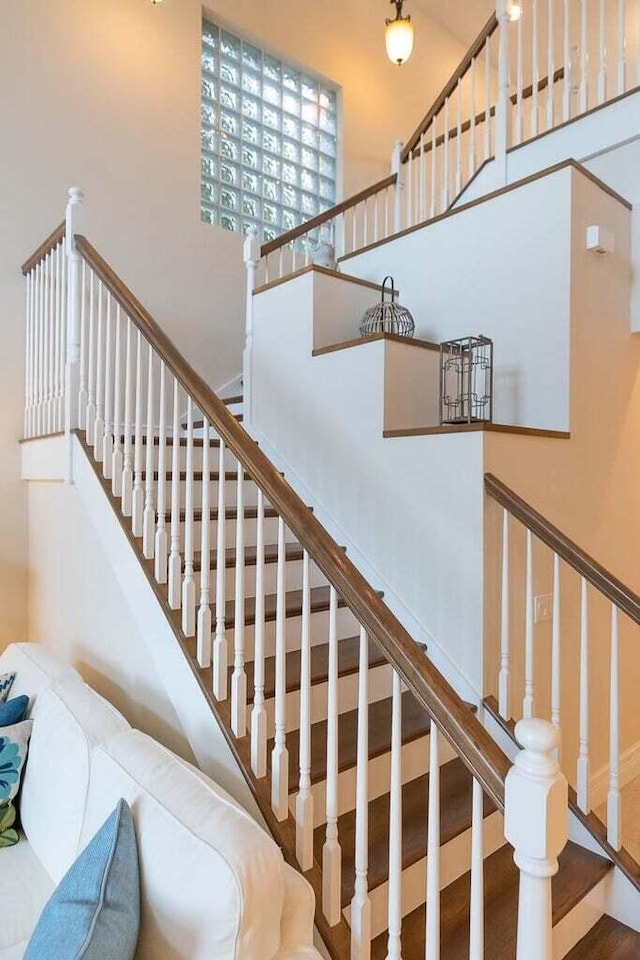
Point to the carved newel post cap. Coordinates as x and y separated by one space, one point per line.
76 195
537 736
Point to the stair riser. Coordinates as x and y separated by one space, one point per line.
455 860
250 493
380 682
293 578
577 923
230 461
270 532
415 763
319 631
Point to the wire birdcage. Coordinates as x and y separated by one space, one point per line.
466 380
387 316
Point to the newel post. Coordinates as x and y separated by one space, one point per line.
502 104
536 798
396 167
251 261
74 224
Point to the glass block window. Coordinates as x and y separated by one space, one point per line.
269 138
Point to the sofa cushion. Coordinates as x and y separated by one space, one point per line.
207 869
25 887
94 912
69 719
36 668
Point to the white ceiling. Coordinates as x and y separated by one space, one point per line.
462 18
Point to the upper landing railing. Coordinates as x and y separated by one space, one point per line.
522 77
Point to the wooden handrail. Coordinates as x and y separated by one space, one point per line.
459 725
339 208
595 574
487 31
45 247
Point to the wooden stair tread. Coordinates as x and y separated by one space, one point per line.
580 871
199 424
608 939
293 552
348 654
456 794
415 724
293 606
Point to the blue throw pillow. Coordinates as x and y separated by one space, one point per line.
13 711
94 912
6 682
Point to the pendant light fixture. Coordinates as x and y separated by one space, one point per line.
399 35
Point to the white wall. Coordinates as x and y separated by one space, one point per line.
410 510
105 94
498 269
79 611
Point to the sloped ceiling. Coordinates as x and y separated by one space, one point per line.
462 18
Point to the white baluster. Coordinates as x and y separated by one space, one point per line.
409 176
458 180
58 413
396 168
567 61
536 826
161 558
175 560
394 923
107 438
503 102
487 99
280 754
614 804
137 499
432 936
434 171
361 903
127 460
354 228
376 230
304 800
473 161
555 646
583 734
365 219
28 348
527 704
204 611
220 651
149 514
239 676
550 66
46 328
602 43
533 125
100 353
188 581
331 853
519 83
476 902
39 350
51 346
82 388
584 58
259 713
445 161
621 71
504 678
70 360
117 462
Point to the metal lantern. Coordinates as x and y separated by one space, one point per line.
387 316
466 380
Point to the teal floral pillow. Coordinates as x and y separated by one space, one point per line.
14 744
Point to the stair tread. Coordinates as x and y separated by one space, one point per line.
580 870
456 794
293 551
250 513
293 605
197 475
228 401
608 938
348 659
415 724
199 424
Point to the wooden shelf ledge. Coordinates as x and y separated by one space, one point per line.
315 268
359 341
479 427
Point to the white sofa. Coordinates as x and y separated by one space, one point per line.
214 884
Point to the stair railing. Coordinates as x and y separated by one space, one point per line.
537 558
136 407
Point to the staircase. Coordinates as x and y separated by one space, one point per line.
381 785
